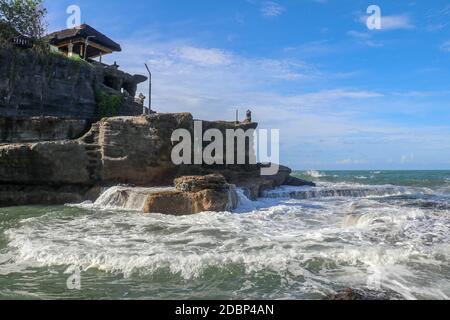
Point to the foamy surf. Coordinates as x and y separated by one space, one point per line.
278 247
352 191
122 198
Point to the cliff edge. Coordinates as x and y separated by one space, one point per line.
120 150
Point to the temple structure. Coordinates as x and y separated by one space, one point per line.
84 41
55 86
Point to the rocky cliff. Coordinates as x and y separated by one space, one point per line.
120 150
17 130
50 84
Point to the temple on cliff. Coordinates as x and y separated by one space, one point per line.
72 89
83 41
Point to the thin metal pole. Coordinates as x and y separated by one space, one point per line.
149 89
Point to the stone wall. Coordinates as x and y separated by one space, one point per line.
50 84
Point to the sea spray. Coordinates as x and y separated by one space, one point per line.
125 198
328 192
273 248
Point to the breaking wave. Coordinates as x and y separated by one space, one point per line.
328 192
296 242
315 174
123 198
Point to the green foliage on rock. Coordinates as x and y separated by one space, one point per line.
74 58
108 104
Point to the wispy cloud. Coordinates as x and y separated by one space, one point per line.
211 83
365 38
393 22
272 9
446 46
396 22
205 57
438 19
351 162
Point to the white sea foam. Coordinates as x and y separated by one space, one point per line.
327 191
313 244
122 198
315 174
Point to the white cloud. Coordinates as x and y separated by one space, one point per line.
364 38
359 35
271 9
394 22
207 57
316 124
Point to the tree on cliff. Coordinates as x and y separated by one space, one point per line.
22 17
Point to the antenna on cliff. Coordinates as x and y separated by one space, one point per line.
149 90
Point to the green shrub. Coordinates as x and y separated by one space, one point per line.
108 105
23 17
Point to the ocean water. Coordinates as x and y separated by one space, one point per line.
387 230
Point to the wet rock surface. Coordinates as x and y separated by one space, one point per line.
194 194
198 183
352 294
296 182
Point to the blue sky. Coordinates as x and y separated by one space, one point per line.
343 96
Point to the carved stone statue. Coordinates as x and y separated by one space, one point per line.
141 99
248 117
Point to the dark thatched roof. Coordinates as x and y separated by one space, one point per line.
83 31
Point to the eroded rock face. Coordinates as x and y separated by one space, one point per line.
194 184
254 186
34 85
20 130
47 163
185 203
123 150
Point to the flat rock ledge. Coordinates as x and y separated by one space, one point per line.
194 194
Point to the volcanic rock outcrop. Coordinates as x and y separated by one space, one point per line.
120 150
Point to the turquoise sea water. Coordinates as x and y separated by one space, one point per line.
377 229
